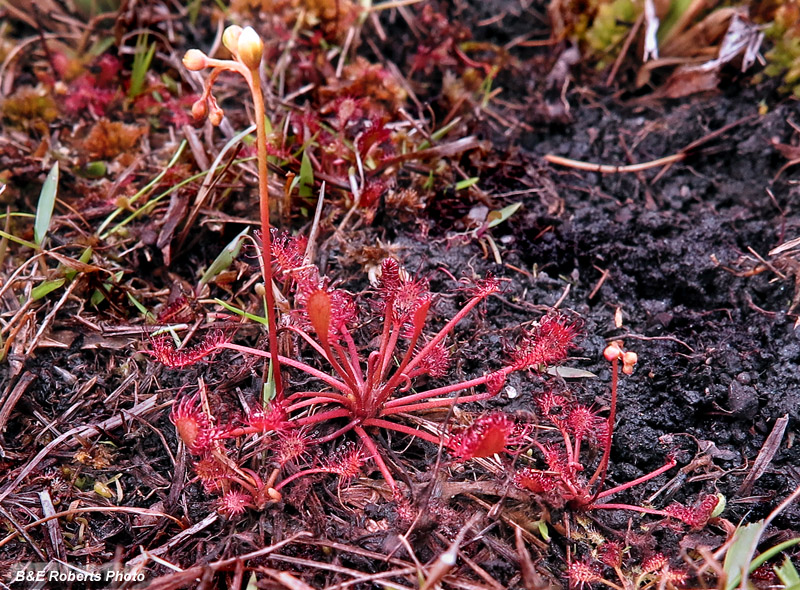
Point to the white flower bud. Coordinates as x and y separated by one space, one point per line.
195 60
230 38
250 48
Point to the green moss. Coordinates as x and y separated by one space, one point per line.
30 107
783 60
610 26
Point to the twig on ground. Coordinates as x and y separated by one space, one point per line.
78 432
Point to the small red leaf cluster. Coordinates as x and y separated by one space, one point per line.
358 392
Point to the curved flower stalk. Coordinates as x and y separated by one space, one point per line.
564 476
247 50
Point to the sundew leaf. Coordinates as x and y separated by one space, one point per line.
225 258
44 208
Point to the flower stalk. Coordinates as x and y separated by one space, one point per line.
247 49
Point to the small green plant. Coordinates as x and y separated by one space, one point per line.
784 57
609 28
142 58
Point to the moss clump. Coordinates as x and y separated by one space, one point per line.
784 57
30 108
610 26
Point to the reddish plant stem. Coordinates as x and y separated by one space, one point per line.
602 468
355 361
386 355
436 403
434 342
300 474
636 481
321 399
354 368
289 362
445 390
254 81
384 393
376 456
291 398
322 417
337 433
309 340
402 428
346 375
372 377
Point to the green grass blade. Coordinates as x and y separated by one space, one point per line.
306 176
737 559
225 258
460 186
241 312
45 206
787 573
43 289
142 192
497 217
141 64
16 240
142 309
772 552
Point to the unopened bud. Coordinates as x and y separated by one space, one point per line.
629 359
612 352
230 38
215 116
250 48
200 109
195 60
215 113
